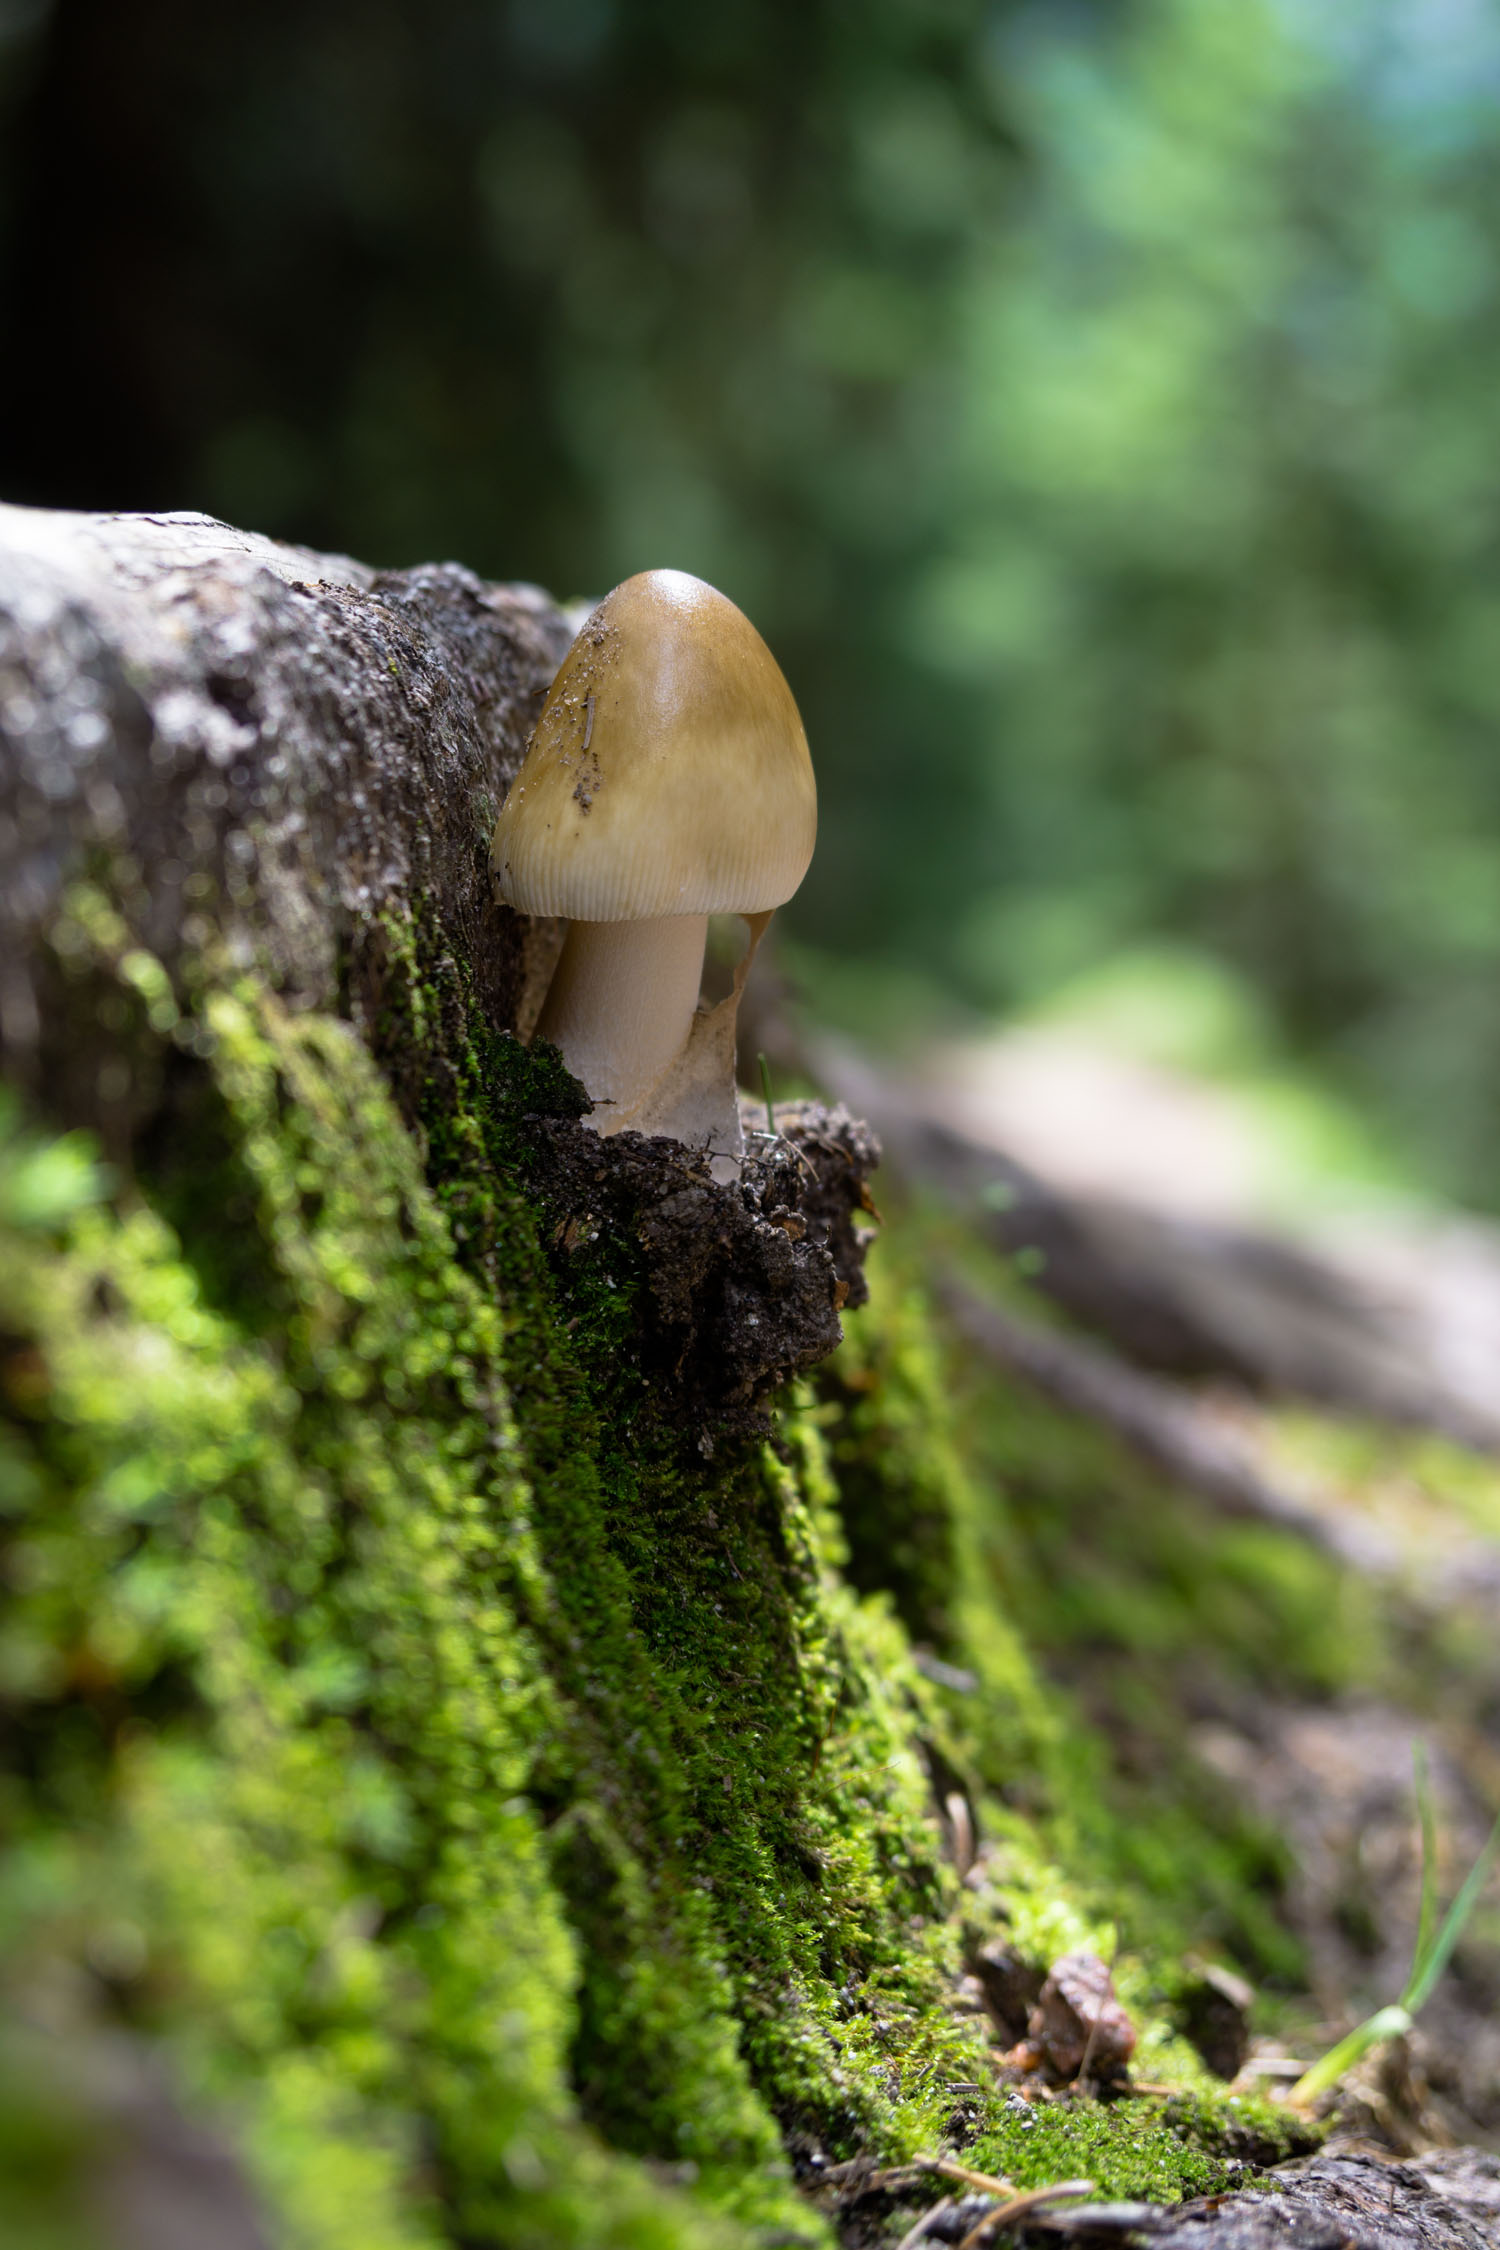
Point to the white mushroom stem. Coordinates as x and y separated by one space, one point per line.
620 1007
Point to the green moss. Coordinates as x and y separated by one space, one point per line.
1013 1511
514 1825
1138 2149
1125 2151
309 1568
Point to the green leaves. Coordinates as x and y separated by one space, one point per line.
44 1183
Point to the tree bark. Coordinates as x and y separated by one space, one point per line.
278 747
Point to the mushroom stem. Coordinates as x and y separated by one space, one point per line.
621 1004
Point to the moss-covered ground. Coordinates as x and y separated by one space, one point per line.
508 1824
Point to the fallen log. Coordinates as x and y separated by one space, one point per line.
224 759
1180 1298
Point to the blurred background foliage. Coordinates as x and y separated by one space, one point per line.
1095 405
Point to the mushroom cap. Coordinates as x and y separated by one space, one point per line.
668 773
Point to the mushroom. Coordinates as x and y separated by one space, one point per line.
668 779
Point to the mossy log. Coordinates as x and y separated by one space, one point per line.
453 1790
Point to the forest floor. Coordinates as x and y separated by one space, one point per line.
1308 1724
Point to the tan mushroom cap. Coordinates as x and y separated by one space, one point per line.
669 771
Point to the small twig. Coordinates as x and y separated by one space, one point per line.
1088 2053
961 1821
860 2168
588 727
1020 2207
779 1140
914 2235
946 2168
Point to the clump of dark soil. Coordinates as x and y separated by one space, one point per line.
738 1286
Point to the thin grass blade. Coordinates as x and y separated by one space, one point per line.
765 1087
1386 2023
1427 1910
1425 1977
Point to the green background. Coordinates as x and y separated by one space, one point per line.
1095 407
